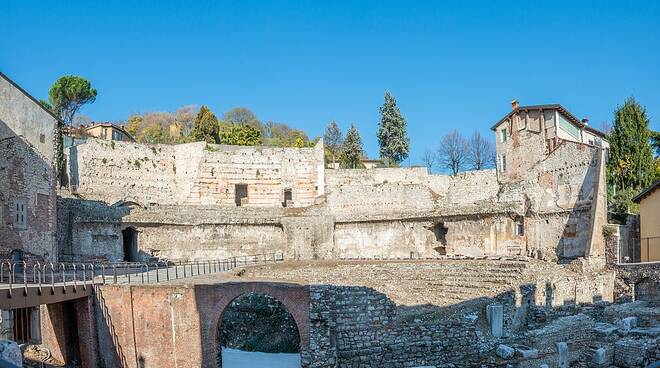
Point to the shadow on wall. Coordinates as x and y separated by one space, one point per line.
576 239
72 175
108 340
95 231
252 316
277 331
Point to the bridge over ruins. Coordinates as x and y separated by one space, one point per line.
345 312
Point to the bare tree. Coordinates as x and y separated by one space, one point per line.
481 152
453 152
430 159
332 139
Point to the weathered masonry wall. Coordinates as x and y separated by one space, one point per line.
356 326
340 323
213 241
27 175
195 173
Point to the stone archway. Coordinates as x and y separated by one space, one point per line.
257 323
212 300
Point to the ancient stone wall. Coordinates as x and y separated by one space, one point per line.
27 175
195 173
356 326
90 230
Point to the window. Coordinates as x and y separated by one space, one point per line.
288 197
240 192
503 135
522 122
20 214
520 228
502 163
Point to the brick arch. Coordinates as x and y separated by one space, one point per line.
212 300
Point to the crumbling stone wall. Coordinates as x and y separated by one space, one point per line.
555 211
640 281
89 230
356 326
27 174
195 173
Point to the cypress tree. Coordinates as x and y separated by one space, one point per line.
392 136
206 127
630 165
351 149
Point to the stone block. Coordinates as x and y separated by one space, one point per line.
627 324
505 352
10 352
526 352
600 357
604 329
495 316
562 357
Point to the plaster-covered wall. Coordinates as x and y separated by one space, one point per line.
21 116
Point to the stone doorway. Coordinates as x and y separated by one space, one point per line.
257 328
129 237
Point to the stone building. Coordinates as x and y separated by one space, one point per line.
27 174
107 131
198 201
649 226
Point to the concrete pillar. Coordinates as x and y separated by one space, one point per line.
562 357
495 316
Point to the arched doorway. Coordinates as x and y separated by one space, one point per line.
129 237
256 330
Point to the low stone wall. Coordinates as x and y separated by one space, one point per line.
356 326
637 281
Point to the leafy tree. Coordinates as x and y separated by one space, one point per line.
332 139
622 202
68 94
351 149
392 136
133 124
206 127
481 152
239 135
631 158
46 104
655 142
453 152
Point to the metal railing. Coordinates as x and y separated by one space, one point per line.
17 275
641 250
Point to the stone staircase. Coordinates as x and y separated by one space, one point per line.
416 282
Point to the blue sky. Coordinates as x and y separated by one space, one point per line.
450 64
